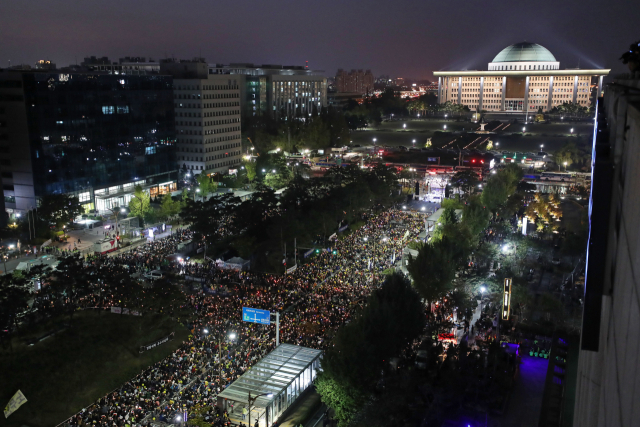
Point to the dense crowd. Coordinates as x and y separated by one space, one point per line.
314 301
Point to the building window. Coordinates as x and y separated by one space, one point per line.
107 109
84 197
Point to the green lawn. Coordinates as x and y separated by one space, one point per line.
552 136
70 370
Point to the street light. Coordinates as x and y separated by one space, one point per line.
404 126
565 166
231 337
414 142
482 291
541 145
252 401
572 130
374 141
497 144
524 129
445 126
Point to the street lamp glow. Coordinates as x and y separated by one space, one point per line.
505 248
497 144
445 126
404 126
263 171
404 207
197 190
374 141
422 208
123 210
483 289
206 331
273 171
232 336
365 239
524 129
414 142
479 185
571 130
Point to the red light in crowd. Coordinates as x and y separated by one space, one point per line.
473 161
482 161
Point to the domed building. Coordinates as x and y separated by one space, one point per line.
524 77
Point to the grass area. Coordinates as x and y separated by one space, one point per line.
552 136
72 369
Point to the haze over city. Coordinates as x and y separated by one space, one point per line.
408 38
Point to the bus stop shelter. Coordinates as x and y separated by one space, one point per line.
279 379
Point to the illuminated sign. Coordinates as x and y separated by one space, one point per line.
255 315
506 299
524 226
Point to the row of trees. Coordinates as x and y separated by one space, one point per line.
72 281
317 131
392 318
309 210
433 269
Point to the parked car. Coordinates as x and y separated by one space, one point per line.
421 359
154 275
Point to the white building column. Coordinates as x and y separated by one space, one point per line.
459 90
440 90
504 91
575 90
599 86
481 93
526 95
550 99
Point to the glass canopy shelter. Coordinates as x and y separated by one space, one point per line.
283 374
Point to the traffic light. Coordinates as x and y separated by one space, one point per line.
334 252
317 251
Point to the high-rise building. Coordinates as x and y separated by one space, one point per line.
524 77
608 379
208 119
276 90
355 81
92 135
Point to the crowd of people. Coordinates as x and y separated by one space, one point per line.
315 300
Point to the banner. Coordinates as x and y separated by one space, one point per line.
119 310
16 401
292 269
344 227
333 236
144 348
309 252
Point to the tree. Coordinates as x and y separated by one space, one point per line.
449 216
140 203
60 209
169 207
465 180
206 185
432 270
392 317
250 167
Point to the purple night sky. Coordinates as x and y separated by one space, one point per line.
405 38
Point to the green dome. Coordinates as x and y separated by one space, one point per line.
529 52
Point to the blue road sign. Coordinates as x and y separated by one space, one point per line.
255 315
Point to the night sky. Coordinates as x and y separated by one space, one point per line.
409 38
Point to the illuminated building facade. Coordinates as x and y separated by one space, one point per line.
524 77
95 136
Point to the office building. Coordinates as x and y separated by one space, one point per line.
608 379
92 135
275 90
524 77
355 81
208 120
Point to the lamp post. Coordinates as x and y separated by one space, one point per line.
232 336
115 212
252 401
565 166
482 291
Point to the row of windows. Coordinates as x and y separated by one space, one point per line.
206 96
213 165
209 140
208 132
209 113
208 87
212 105
208 123
209 149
